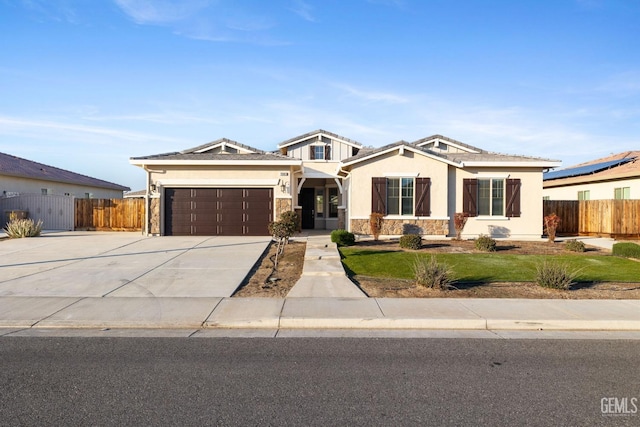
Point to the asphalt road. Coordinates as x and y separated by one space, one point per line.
319 381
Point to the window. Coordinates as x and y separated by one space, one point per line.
44 191
320 203
320 152
584 195
622 193
333 202
491 197
401 196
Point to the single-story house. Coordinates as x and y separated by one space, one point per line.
228 188
21 176
613 177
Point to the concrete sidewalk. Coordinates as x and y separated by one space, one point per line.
320 313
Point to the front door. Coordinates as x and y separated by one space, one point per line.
308 213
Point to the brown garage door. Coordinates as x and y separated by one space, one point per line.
218 211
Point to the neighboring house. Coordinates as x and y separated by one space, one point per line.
227 188
613 177
20 176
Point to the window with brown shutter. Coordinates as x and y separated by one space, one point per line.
327 152
312 152
379 195
470 197
513 198
423 197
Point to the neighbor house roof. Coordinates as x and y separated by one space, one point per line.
614 167
23 168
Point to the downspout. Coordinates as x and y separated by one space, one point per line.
147 203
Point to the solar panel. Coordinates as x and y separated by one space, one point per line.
584 170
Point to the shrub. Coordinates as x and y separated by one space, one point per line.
574 245
430 273
551 223
279 230
626 249
343 237
554 275
375 224
411 241
459 221
485 243
18 228
292 219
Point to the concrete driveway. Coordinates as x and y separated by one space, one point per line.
106 264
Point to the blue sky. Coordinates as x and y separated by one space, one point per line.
87 84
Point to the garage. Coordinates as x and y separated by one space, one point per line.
218 211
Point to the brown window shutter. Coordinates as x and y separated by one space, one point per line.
327 152
513 197
470 197
379 195
423 197
312 152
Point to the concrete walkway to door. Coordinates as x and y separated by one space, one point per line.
323 275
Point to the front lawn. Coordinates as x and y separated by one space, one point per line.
489 267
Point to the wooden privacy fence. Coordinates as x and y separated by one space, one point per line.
109 214
612 218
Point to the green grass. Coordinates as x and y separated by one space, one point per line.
490 267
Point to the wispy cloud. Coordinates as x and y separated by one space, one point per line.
207 20
304 10
70 131
372 96
161 11
51 11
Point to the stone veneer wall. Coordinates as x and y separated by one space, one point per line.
425 227
341 219
154 216
282 205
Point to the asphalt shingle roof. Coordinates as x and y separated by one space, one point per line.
19 167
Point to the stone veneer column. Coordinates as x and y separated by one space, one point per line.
154 215
341 219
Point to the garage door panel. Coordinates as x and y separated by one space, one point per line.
218 211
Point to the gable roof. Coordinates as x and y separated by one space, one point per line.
203 154
478 157
222 142
367 154
23 168
466 147
320 132
616 166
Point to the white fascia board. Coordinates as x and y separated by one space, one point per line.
213 182
512 164
292 162
404 147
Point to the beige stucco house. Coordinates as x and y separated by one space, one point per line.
613 177
21 176
228 188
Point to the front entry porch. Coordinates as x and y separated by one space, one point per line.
320 204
